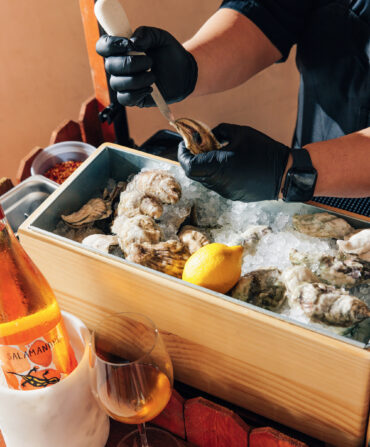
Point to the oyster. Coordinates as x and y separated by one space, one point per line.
358 243
95 209
263 288
135 230
198 136
322 225
329 304
101 242
251 237
158 184
292 277
134 202
167 257
76 234
192 238
340 270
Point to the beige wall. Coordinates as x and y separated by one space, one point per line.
45 76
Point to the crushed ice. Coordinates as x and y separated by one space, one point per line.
227 220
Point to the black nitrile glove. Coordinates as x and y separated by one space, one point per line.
250 168
172 68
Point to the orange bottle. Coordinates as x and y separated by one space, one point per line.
34 347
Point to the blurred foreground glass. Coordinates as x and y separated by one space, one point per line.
132 375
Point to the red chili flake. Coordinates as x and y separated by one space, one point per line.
61 171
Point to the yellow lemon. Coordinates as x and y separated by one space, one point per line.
215 266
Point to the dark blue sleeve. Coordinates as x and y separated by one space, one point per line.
282 21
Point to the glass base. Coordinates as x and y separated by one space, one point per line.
155 437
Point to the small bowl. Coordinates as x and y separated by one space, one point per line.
60 152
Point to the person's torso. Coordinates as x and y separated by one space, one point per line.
333 57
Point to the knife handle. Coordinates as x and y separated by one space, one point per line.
112 17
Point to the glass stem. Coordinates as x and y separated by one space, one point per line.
142 433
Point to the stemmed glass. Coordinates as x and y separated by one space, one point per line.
132 375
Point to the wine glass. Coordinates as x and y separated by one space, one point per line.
132 375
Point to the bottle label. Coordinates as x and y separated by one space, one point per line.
35 365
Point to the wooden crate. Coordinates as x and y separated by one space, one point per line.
313 382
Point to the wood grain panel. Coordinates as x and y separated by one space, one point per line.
286 373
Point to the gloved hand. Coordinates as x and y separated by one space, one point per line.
172 68
250 168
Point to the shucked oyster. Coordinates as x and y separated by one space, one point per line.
322 225
339 270
358 243
262 288
328 304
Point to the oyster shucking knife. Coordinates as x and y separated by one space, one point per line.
198 136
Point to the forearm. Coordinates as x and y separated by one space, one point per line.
342 164
229 49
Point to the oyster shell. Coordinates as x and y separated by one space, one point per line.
329 304
158 184
263 288
292 277
101 242
76 234
251 237
358 243
168 257
135 230
198 136
192 238
95 209
340 270
322 225
134 202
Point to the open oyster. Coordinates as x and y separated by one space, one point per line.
167 257
358 243
192 238
262 288
198 136
329 304
339 270
322 225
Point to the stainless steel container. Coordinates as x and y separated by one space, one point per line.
23 199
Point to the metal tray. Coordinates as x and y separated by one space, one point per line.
23 199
